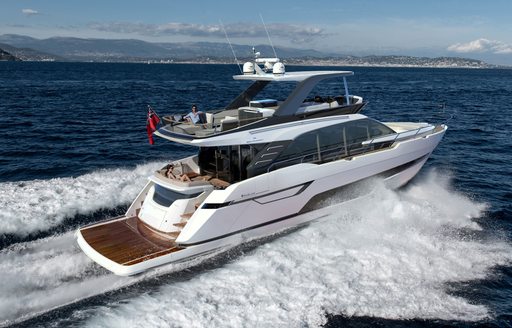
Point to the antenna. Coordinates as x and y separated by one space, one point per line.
268 36
232 50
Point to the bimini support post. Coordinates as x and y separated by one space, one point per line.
346 90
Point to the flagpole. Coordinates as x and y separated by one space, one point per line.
151 109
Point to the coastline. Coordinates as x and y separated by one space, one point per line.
288 62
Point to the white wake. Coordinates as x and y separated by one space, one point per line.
40 205
44 274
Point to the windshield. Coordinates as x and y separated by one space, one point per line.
166 197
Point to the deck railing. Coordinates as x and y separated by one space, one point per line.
409 134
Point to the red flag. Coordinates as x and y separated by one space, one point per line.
150 134
151 124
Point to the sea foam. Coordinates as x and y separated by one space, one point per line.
43 274
40 205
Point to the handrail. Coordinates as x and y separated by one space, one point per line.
399 136
312 154
339 151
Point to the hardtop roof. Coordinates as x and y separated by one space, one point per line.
298 76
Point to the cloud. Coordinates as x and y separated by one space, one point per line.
29 12
482 46
292 32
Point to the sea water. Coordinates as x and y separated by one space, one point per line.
74 150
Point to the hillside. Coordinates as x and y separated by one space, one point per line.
5 56
28 54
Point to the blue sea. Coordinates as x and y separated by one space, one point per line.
74 150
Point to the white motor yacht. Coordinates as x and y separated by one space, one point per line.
263 165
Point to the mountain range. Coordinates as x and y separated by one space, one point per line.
132 50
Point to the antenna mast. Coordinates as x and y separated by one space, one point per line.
232 50
268 36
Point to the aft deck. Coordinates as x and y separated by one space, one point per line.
176 176
128 241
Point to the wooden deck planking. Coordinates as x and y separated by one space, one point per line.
128 241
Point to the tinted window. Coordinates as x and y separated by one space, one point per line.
356 132
326 141
329 142
331 137
378 129
262 160
362 130
166 197
304 144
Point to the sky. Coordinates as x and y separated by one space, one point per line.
474 29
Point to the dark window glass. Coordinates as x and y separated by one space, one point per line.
331 142
378 129
328 143
331 137
166 197
303 145
356 132
263 159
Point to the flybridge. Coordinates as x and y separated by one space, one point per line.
247 112
274 71
307 81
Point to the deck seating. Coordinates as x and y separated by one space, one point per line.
228 123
